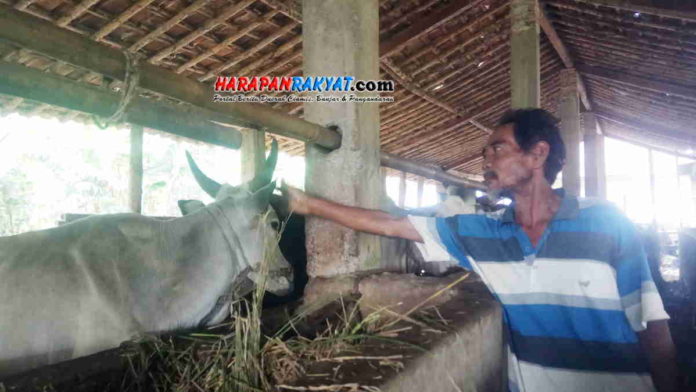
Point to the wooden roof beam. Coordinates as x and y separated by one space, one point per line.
563 53
641 82
686 12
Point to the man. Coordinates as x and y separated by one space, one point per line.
581 309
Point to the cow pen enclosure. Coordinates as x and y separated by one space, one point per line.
243 294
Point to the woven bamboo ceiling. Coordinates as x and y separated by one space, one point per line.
452 76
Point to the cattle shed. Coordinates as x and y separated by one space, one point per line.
620 69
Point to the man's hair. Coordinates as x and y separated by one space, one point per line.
537 125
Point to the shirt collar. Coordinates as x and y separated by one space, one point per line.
568 209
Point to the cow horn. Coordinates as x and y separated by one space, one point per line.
209 185
266 175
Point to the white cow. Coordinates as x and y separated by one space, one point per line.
94 283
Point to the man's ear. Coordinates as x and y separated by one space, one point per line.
540 152
188 206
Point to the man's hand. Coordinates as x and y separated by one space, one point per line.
360 219
298 201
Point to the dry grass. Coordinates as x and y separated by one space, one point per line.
244 359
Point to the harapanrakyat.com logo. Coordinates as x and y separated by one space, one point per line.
300 89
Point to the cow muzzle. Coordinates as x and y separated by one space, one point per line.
278 282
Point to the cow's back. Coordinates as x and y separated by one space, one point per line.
65 290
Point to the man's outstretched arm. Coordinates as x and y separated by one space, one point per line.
360 219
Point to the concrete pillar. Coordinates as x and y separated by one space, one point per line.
341 37
595 176
569 110
135 179
524 52
253 153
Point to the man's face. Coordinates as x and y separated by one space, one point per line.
505 165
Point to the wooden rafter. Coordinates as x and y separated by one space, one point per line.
426 25
186 12
563 53
686 12
23 4
390 69
227 41
265 42
206 27
463 161
120 19
684 91
647 127
75 12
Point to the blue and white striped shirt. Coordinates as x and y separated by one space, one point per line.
572 304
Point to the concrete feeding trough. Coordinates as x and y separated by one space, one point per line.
416 333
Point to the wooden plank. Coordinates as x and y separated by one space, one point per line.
425 25
680 90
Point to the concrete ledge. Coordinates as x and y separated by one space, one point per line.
466 355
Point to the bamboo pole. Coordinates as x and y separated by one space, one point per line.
182 120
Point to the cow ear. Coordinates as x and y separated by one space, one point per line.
262 197
188 206
266 174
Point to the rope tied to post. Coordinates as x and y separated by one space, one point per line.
130 85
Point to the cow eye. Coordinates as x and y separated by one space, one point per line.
275 225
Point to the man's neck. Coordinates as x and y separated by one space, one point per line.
535 203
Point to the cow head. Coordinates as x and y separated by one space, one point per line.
256 224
